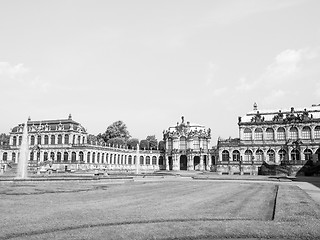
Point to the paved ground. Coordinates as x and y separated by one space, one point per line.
159 208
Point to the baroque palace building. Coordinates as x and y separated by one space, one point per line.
289 138
187 147
63 144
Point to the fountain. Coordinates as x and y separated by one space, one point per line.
24 154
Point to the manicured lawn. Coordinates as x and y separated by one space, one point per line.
168 209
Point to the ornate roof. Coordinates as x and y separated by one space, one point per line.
51 125
187 130
282 116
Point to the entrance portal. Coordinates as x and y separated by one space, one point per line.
183 162
170 163
196 162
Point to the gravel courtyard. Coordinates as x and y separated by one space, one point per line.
169 208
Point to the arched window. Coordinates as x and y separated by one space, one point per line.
317 132
307 154
93 157
59 139
45 156
236 156
134 159
259 155
122 159
81 156
102 158
5 156
14 141
20 140
52 156
107 158
295 155
196 143
154 160
148 160
271 155
293 133
258 134
247 134
225 155
46 139
79 140
74 139
130 159
306 133
88 157
66 139
282 155
141 160
14 157
65 156
161 160
73 157
281 134
318 154
58 156
39 140
31 156
183 143
248 155
53 138
98 157
269 134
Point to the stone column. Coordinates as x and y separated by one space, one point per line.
167 162
201 162
190 162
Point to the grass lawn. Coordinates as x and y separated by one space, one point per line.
175 209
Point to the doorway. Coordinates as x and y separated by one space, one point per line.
183 162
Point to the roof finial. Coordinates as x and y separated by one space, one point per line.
182 118
255 106
29 118
70 117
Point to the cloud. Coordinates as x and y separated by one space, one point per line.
219 91
8 70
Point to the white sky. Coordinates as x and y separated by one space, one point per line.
147 63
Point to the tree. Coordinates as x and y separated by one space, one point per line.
116 142
132 143
4 139
144 144
162 145
153 142
116 130
91 139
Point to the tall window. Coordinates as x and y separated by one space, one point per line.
259 155
271 155
130 160
269 134
58 156
293 133
282 155
66 139
65 156
183 143
225 155
14 157
32 140
59 139
5 156
236 156
148 160
31 156
154 160
53 139
20 140
317 132
46 139
196 143
248 155
306 133
88 157
81 156
258 134
93 157
247 134
45 156
73 157
295 155
281 134
52 156
170 144
39 140
14 141
141 160
307 154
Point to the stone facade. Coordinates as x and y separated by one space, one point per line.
64 145
288 137
187 147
